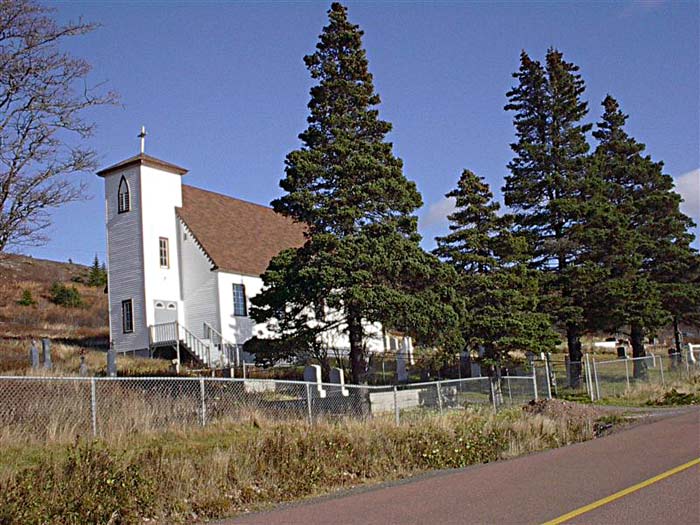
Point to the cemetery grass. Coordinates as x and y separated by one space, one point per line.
65 358
231 468
674 393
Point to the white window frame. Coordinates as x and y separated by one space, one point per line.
123 196
164 252
237 302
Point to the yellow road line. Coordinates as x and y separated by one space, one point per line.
624 492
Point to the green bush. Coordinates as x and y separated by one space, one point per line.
674 397
27 299
67 296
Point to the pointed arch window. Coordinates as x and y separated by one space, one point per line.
123 196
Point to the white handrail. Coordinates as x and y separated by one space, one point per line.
172 332
222 342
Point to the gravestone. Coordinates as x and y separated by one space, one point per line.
111 362
34 356
401 362
338 378
46 348
312 374
475 369
83 366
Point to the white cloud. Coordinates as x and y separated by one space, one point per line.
437 212
688 185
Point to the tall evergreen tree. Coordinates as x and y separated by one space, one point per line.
642 238
499 310
546 179
361 262
469 247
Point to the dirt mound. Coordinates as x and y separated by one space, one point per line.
557 408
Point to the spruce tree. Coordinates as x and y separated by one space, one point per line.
545 183
474 223
361 262
98 274
501 294
643 239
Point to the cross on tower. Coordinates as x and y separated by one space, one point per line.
142 136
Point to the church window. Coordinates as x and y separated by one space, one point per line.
123 197
240 307
127 316
164 255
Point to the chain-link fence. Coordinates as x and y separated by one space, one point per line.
612 378
615 378
62 409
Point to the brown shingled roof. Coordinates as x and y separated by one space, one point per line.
238 236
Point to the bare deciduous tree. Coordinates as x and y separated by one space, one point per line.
43 92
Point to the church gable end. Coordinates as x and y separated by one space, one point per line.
238 236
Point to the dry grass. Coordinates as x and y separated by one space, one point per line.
674 392
230 468
14 360
45 319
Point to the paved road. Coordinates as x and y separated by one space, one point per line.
536 488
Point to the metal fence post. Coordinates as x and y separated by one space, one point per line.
534 381
589 378
93 406
204 406
397 415
661 370
308 403
493 393
597 383
439 396
627 372
549 377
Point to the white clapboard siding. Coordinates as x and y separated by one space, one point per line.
199 289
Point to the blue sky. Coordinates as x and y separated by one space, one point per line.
222 89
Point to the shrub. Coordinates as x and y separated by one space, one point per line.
674 397
67 296
27 299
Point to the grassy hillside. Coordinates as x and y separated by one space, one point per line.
82 330
45 319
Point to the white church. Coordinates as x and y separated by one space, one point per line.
183 263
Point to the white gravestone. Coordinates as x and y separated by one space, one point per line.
404 357
312 374
338 378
